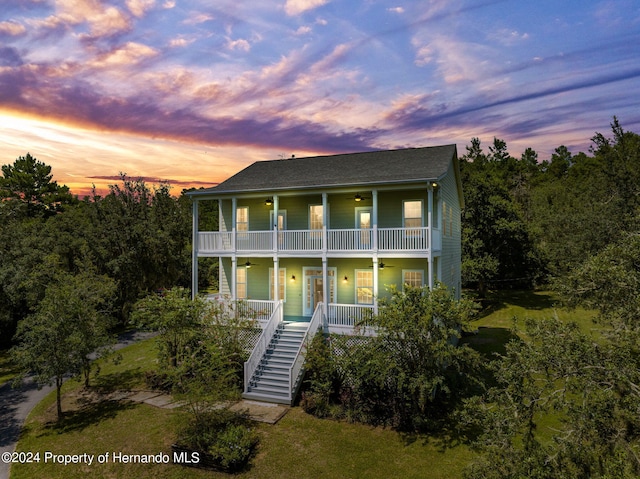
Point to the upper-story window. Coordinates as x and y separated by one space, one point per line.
242 218
316 216
412 214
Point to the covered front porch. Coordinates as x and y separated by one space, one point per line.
348 287
335 318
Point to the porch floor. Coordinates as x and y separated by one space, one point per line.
296 319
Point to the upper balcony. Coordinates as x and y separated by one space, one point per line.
333 242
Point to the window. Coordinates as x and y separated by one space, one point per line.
412 214
281 284
315 217
364 286
241 283
413 277
242 218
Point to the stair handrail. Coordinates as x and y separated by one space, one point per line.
262 344
296 368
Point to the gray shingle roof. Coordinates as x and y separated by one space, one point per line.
372 167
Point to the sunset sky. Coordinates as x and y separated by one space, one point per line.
191 91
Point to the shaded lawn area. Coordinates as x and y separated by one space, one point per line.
496 320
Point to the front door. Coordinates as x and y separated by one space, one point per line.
314 288
363 223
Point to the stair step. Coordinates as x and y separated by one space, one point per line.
270 383
282 374
273 391
276 399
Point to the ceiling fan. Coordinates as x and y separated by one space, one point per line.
382 265
249 264
358 197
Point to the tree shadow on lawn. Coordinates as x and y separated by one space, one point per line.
123 380
490 341
87 415
526 299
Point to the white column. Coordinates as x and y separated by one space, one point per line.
276 279
234 220
194 250
375 284
374 220
430 234
325 286
274 227
234 278
325 222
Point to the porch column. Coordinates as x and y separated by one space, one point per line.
276 279
325 222
325 286
234 219
234 278
274 226
194 251
430 233
374 221
375 285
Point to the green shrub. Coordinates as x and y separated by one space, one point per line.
233 446
225 438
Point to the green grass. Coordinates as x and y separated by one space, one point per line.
495 322
299 446
8 370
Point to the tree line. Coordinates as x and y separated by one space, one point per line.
135 236
528 222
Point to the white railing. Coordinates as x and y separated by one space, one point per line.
262 344
348 314
388 239
403 239
254 240
258 309
295 371
300 240
215 241
350 240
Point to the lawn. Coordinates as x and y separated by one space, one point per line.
8 370
505 309
299 446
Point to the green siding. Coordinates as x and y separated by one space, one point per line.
450 267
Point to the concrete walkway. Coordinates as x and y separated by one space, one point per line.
257 411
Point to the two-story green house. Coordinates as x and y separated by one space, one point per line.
314 242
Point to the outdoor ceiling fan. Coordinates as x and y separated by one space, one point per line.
249 264
382 265
358 197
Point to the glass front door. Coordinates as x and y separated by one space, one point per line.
314 288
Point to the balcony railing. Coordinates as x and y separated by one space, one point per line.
309 241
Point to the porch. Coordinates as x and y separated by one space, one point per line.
351 242
337 319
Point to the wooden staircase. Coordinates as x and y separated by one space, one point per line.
271 380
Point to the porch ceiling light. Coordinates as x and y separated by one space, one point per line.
434 184
345 279
357 198
293 278
268 201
